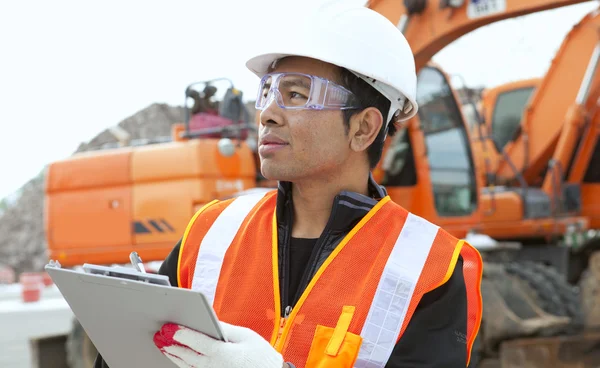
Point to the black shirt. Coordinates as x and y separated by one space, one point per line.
300 251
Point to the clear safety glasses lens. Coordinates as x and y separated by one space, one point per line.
303 91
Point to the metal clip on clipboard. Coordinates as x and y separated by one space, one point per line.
137 273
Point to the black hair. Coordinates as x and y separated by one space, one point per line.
368 97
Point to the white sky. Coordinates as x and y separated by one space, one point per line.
69 69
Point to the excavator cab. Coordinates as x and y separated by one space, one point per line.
503 108
208 117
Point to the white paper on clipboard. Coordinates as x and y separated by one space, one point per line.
122 311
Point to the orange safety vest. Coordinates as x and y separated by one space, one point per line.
359 302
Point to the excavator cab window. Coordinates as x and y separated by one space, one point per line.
399 162
450 162
508 111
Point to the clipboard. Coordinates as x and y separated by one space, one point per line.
121 309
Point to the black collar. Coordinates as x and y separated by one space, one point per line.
348 207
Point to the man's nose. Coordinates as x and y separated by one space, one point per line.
271 113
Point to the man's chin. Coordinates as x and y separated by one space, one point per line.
276 172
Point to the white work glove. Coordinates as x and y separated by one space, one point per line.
188 348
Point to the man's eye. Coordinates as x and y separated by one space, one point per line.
265 90
297 95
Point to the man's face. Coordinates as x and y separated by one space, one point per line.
299 144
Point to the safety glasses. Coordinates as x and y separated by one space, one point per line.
297 91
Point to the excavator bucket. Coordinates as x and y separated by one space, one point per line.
590 290
510 311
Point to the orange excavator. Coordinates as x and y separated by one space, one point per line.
102 205
542 135
547 131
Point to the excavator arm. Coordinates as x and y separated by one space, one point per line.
554 107
431 25
572 177
584 169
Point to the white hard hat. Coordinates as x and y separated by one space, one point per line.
353 37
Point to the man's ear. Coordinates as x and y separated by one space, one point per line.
364 128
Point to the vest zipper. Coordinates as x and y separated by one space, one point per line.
285 252
308 275
282 322
308 272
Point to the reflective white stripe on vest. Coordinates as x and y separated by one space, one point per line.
394 292
216 242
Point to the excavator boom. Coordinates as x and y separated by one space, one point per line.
585 168
573 175
431 25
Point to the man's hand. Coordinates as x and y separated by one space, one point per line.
188 348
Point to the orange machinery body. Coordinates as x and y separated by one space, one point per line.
504 209
504 219
584 172
503 212
102 205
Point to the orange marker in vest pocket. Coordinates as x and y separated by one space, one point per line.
335 347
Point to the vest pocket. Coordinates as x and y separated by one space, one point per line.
335 347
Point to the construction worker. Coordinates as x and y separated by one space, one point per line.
326 271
